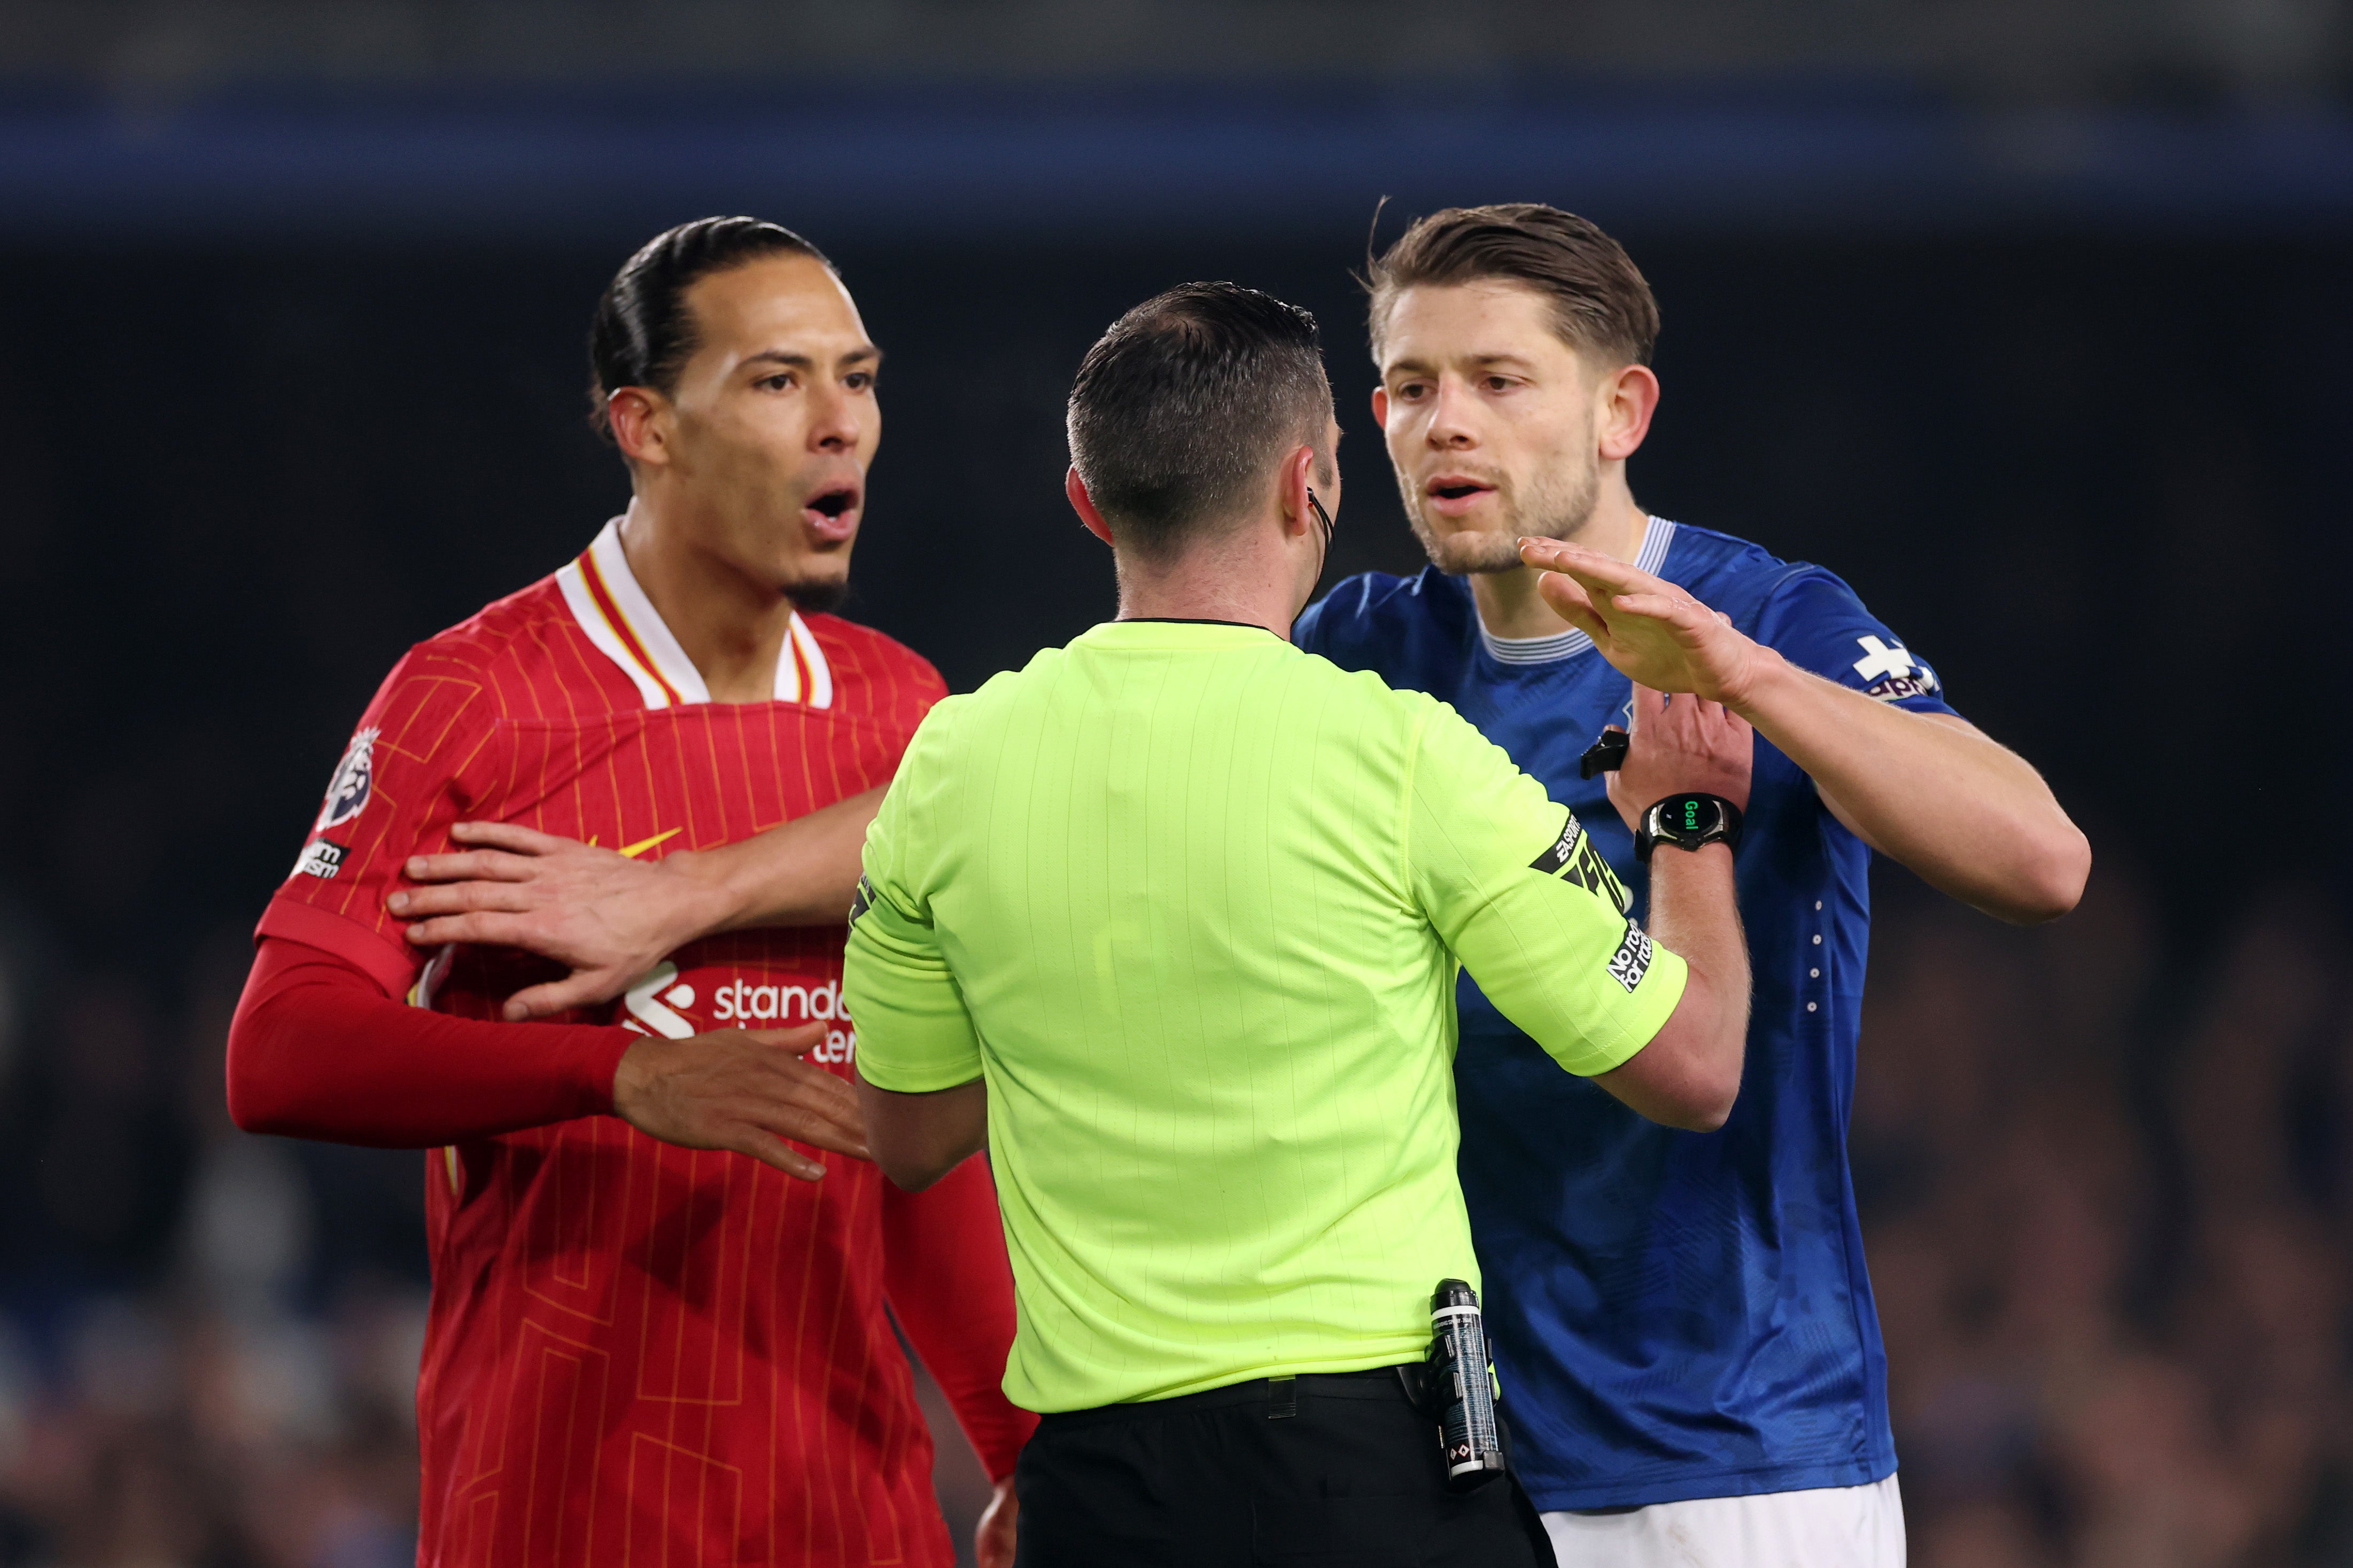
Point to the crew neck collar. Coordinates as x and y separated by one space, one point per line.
1160 631
1658 535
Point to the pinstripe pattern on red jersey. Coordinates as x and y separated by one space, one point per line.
637 1354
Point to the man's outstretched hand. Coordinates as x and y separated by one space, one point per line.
1649 629
603 916
744 1089
1682 744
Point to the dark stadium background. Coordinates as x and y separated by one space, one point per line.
2037 325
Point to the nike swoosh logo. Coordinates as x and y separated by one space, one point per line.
643 845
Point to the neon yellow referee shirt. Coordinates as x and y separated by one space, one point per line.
1192 901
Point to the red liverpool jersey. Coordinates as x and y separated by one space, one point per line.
637 1355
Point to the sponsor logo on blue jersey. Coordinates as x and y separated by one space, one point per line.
1893 673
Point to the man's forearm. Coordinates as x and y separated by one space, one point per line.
801 873
1968 816
1693 914
919 1137
316 1050
951 1287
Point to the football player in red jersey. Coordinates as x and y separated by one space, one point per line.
661 1262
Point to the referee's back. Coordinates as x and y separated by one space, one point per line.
1173 916
1196 890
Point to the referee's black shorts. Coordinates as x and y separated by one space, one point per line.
1333 1470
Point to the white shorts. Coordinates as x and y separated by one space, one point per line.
1835 1527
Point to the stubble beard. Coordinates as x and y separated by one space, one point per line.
821 584
818 595
1556 506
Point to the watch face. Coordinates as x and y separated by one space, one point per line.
1688 821
1684 816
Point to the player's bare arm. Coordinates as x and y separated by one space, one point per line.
1689 1075
919 1137
744 1089
1968 816
609 918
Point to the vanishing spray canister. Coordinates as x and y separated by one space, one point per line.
1460 1385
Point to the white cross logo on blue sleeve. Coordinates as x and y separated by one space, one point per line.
1879 661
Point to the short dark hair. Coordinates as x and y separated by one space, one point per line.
1600 302
1186 403
642 334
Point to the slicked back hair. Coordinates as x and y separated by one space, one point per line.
1182 409
643 334
1601 303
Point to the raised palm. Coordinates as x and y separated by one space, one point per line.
1649 630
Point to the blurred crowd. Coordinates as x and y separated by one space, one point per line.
2107 1194
2107 1178
208 1341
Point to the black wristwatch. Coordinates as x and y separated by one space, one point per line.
1687 822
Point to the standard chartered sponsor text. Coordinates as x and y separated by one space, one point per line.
794 1004
737 1003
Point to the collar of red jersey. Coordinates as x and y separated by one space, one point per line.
613 610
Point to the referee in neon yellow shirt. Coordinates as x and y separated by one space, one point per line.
1170 919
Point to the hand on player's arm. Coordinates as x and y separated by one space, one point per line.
1689 1075
1968 816
609 918
744 1089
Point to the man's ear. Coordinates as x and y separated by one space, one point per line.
1629 396
640 422
1085 505
1381 406
1294 475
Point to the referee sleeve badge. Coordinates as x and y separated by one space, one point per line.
1551 861
1632 959
1573 859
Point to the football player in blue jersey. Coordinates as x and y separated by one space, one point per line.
1691 1357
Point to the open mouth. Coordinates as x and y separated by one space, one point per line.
1451 492
831 514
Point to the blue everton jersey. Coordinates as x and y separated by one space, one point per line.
1675 1314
